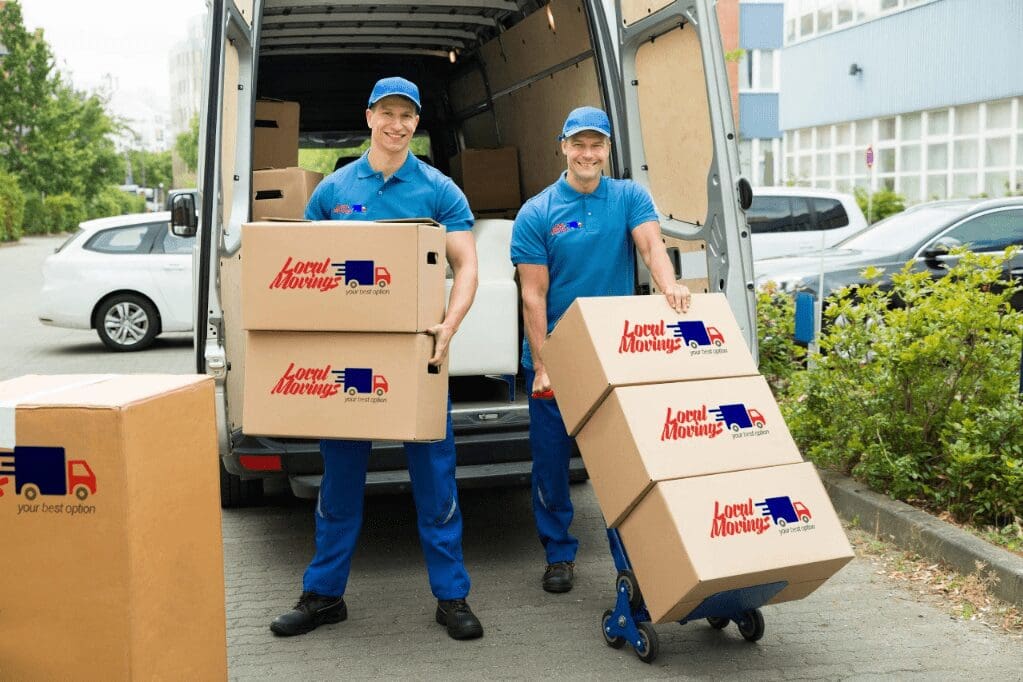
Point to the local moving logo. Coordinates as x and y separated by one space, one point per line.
747 517
661 337
558 228
46 471
680 424
327 274
359 383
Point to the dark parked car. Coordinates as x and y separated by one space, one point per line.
923 234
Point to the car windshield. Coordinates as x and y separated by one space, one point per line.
902 230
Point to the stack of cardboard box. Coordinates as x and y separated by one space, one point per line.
112 565
688 453
279 188
336 314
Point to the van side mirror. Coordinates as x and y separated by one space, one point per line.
940 247
184 221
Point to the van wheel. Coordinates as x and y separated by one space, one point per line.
127 322
235 492
30 492
81 492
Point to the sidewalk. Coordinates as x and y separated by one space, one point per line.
918 531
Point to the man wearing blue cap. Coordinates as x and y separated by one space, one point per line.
389 182
573 239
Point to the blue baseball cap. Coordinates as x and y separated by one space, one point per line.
385 87
586 118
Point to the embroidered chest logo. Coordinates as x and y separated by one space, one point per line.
349 209
558 228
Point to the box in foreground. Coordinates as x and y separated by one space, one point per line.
691 538
112 560
344 385
643 434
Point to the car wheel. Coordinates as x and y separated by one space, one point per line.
127 322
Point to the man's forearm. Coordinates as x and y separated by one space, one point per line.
463 292
534 317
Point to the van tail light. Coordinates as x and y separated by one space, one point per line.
261 462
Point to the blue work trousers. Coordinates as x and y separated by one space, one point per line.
339 514
551 447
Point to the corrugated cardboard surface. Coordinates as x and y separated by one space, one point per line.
127 583
691 538
643 434
489 177
291 280
282 192
281 399
275 139
604 342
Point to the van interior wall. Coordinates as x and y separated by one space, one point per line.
536 76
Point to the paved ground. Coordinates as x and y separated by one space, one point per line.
859 626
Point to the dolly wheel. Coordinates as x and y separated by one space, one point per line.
751 625
717 622
605 627
627 580
646 647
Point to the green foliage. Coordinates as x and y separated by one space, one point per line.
916 390
63 212
52 137
187 145
323 159
882 203
35 217
150 169
780 355
12 208
111 201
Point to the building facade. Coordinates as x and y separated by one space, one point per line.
185 66
760 39
932 87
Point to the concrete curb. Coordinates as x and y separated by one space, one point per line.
926 535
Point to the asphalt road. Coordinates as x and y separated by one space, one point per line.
860 626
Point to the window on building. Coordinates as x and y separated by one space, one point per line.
937 122
824 16
765 76
806 14
967 119
999 115
910 127
997 152
746 70
845 12
886 129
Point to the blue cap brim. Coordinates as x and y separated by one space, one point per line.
396 94
576 131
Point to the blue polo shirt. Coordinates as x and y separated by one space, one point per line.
416 190
583 239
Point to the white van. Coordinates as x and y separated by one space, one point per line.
789 221
491 73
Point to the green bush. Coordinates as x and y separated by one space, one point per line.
35 217
780 355
881 204
12 208
916 390
107 202
131 203
63 212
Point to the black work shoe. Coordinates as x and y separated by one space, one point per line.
558 577
459 619
311 611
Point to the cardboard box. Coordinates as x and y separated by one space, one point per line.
282 192
604 342
343 276
112 559
347 386
691 538
489 177
643 434
275 134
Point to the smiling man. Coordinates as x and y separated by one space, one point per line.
389 182
575 239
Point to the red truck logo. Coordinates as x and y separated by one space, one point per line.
355 380
737 416
695 333
45 471
782 510
362 273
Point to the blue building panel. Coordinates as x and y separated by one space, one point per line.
935 55
758 115
762 26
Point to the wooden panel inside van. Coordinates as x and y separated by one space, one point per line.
677 137
634 10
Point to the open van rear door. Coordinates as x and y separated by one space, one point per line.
224 183
678 140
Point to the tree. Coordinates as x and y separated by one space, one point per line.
187 145
150 169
